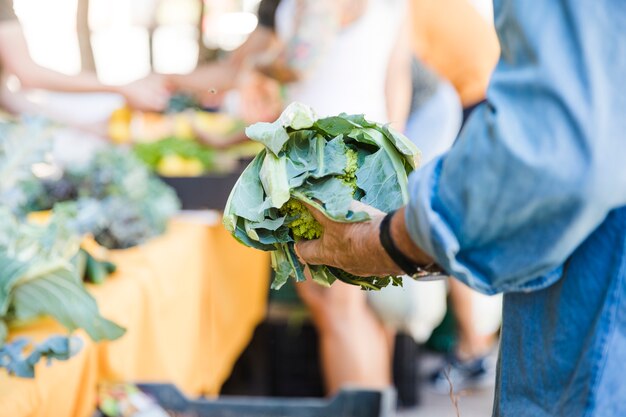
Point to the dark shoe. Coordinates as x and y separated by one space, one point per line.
473 374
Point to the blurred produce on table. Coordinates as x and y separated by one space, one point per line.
117 199
175 144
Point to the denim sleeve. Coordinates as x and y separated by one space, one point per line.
536 169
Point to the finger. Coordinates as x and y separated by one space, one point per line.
309 252
358 206
317 214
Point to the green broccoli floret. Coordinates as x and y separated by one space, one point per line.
304 226
349 176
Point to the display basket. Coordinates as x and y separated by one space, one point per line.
347 403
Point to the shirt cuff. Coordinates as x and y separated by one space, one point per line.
430 230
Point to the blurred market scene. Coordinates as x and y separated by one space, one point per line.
168 166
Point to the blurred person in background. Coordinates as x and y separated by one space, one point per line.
149 93
354 57
348 56
212 81
453 39
231 85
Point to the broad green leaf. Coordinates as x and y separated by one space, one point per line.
395 159
242 236
350 216
11 270
282 268
247 197
335 126
61 296
322 275
298 269
342 124
301 155
4 332
297 116
272 237
272 135
332 159
378 179
268 223
335 196
273 175
403 145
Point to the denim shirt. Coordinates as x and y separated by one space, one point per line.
531 202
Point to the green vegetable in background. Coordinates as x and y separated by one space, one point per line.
38 278
119 200
152 153
325 163
91 269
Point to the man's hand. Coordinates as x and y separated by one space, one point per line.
356 247
353 247
147 94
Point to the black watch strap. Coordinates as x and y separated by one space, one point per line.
427 272
392 250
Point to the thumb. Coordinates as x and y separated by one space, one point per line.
317 214
309 251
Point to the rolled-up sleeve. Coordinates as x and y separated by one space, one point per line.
536 169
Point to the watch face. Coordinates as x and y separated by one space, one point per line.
431 272
429 276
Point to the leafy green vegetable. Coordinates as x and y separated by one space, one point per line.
37 278
152 153
327 164
21 146
16 362
92 270
119 200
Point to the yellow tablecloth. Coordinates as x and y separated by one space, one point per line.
190 301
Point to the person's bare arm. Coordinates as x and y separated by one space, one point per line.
356 247
146 94
398 86
223 75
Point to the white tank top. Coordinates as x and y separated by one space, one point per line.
351 75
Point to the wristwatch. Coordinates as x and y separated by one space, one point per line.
429 272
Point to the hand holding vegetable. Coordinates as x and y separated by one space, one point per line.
352 247
325 164
356 247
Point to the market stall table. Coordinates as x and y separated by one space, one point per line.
189 300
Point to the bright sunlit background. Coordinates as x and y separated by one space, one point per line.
120 33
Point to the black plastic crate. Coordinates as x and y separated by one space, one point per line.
282 360
348 403
203 192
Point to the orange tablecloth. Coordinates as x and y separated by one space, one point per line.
190 301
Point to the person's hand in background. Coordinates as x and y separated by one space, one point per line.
260 97
147 94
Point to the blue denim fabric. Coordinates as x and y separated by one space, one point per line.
531 200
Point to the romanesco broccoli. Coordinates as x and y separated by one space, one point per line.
349 176
304 226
